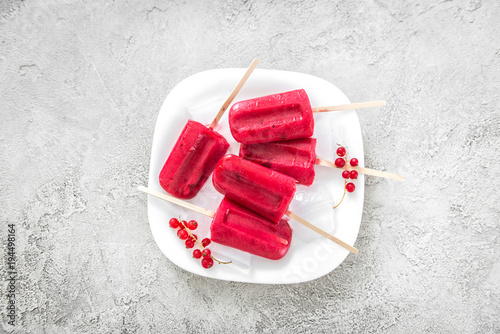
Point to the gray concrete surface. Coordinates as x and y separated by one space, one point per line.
81 83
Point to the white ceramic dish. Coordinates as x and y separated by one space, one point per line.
199 97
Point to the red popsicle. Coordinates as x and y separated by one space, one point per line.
192 160
196 152
273 117
258 188
296 158
282 116
236 226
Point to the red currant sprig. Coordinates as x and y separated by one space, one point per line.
184 232
342 162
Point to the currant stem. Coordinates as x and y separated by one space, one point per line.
345 180
196 240
345 190
221 262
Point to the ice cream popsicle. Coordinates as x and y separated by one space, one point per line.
196 152
192 160
296 158
271 118
277 117
262 190
236 226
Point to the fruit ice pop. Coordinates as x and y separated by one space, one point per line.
271 118
295 158
237 226
197 151
192 160
260 189
279 117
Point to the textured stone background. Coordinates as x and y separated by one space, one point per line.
81 84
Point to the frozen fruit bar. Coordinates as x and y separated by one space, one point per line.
241 221
270 118
295 158
259 188
236 226
192 160
197 151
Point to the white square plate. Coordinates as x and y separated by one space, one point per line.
199 97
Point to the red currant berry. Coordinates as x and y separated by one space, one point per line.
207 263
182 224
206 253
192 225
350 187
194 237
341 151
339 162
189 243
354 162
353 174
174 223
205 242
345 174
182 234
197 253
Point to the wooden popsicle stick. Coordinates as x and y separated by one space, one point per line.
233 94
177 201
361 170
359 105
320 231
